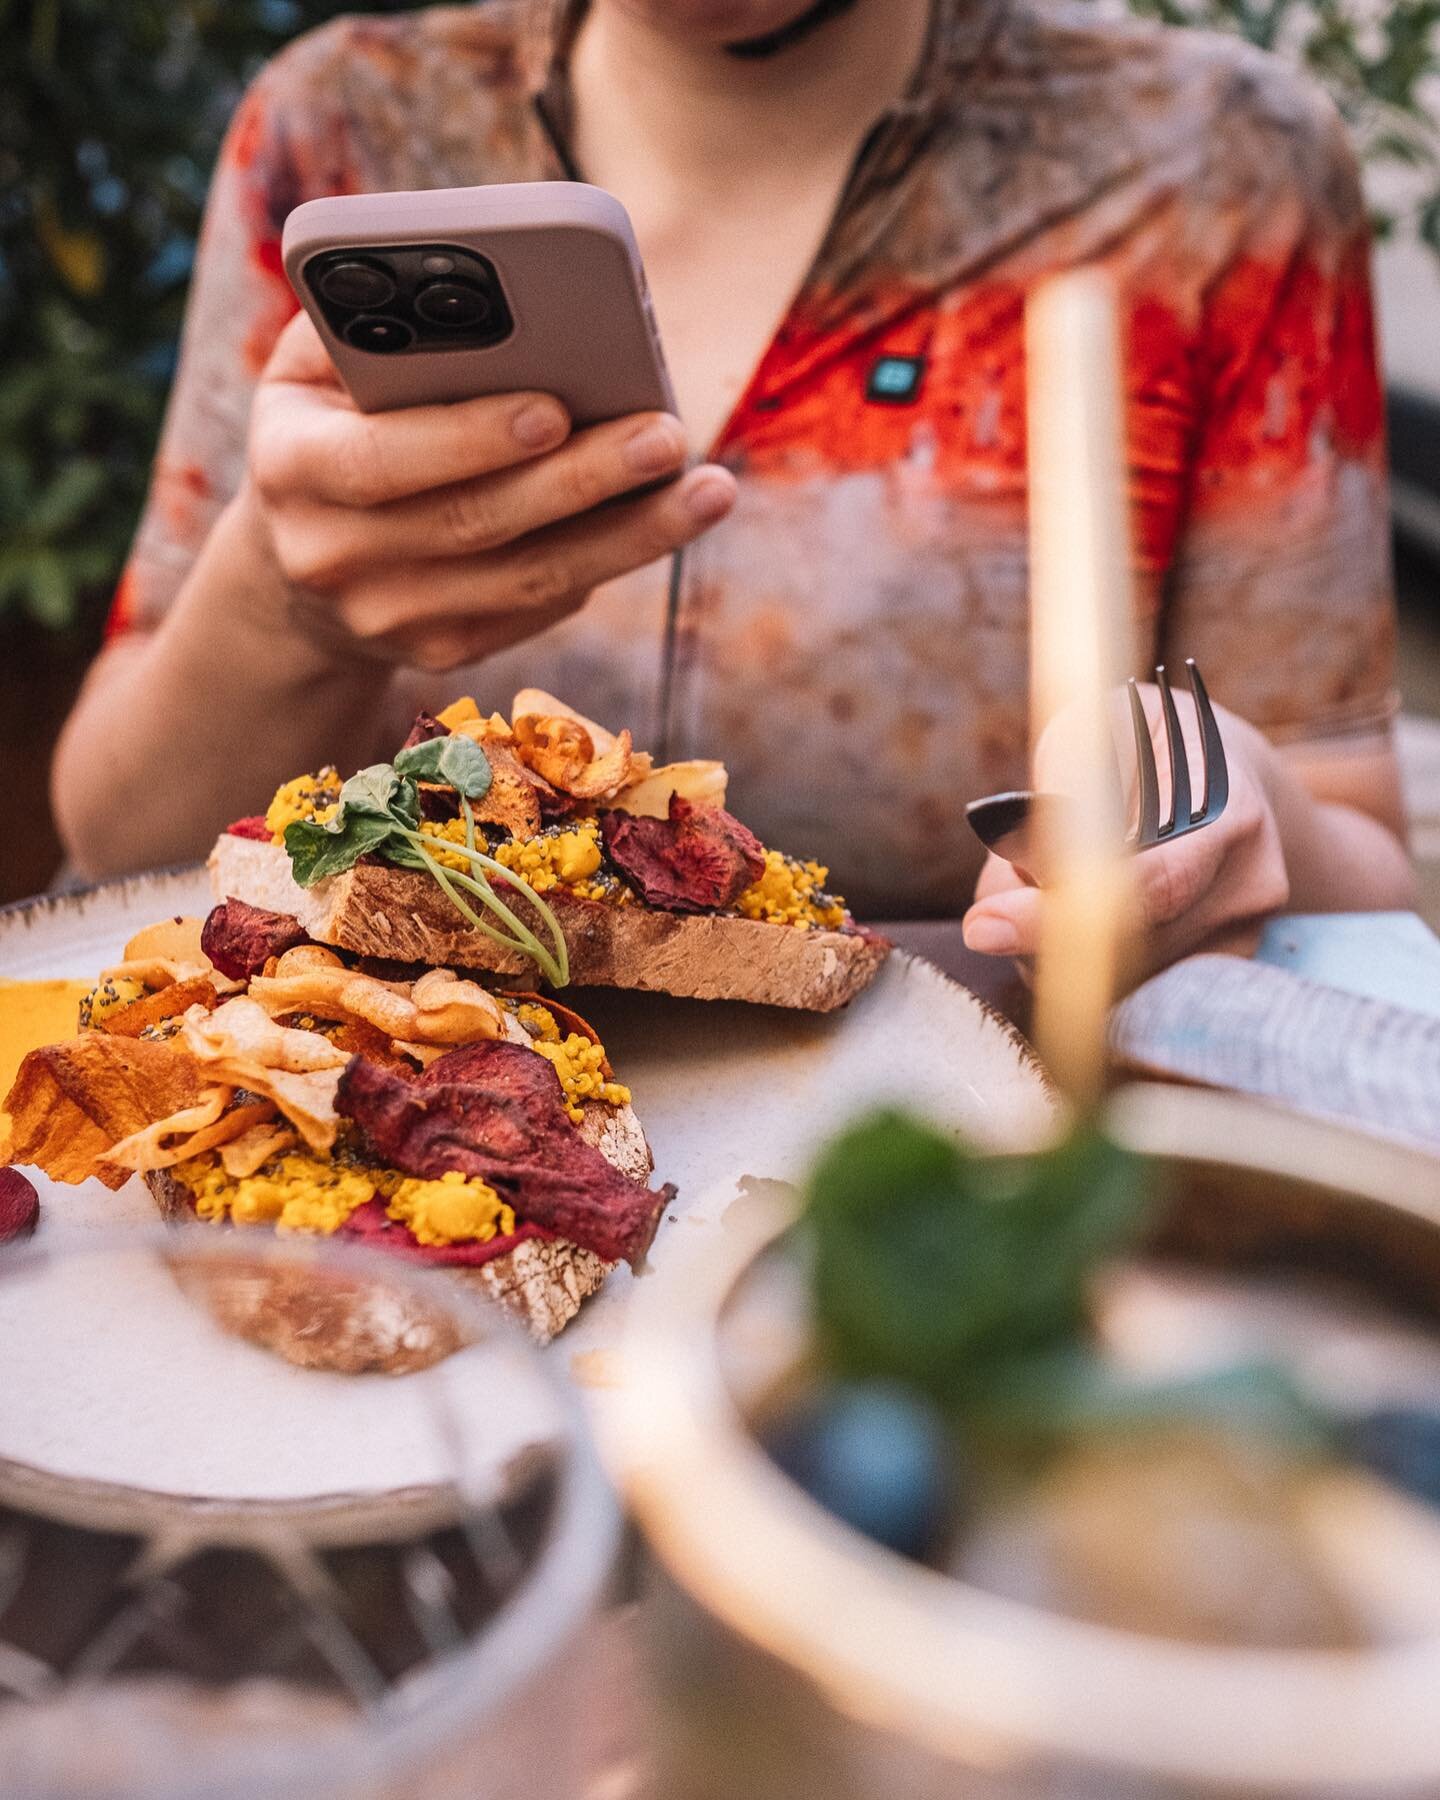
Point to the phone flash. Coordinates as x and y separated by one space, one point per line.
437 265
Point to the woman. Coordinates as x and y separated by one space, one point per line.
840 207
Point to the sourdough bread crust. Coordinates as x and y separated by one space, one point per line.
374 910
357 1328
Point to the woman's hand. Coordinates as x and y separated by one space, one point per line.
1210 890
435 535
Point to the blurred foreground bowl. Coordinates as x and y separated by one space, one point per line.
796 1658
228 1576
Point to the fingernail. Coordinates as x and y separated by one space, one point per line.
655 448
990 936
539 425
709 499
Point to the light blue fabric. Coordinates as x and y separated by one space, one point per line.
1392 956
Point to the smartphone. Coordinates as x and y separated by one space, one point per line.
452 293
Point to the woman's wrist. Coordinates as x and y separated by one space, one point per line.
238 601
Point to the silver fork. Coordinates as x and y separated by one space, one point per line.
1005 823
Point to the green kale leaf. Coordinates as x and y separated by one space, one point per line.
316 851
457 761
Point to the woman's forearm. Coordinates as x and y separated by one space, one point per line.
176 734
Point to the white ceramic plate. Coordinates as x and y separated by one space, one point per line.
725 1093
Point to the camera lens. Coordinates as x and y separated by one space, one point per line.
381 335
453 303
357 284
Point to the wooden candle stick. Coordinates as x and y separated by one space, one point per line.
1080 604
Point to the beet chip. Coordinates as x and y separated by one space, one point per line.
497 1110
240 939
426 726
700 859
19 1206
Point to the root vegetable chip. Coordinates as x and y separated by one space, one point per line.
241 1031
700 782
243 1155
19 1206
498 1111
189 1132
71 1103
439 1008
176 998
564 753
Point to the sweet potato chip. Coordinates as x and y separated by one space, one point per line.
458 713
562 751
71 1103
511 801
167 1003
536 701
168 952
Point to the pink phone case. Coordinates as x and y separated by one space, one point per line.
567 264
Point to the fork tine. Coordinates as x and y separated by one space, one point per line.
1179 762
1145 767
1217 775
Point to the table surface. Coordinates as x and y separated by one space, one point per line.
1391 956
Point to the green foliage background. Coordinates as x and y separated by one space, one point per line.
111 112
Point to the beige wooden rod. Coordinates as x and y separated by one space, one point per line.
1081 629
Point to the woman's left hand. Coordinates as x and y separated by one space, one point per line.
1210 890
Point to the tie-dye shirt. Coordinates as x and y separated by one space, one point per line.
853 636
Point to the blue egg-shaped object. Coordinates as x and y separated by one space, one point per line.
875 1456
1402 1444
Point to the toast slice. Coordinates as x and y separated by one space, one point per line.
377 910
357 1328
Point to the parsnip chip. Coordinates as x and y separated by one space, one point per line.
189 1132
243 1155
177 940
307 1100
306 956
700 782
440 1009
452 1011
242 1030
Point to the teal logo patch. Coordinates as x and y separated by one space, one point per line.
895 380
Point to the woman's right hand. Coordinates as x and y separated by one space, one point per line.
435 535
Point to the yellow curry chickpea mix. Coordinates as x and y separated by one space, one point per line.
302 1194
313 797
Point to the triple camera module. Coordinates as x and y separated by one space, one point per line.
410 297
